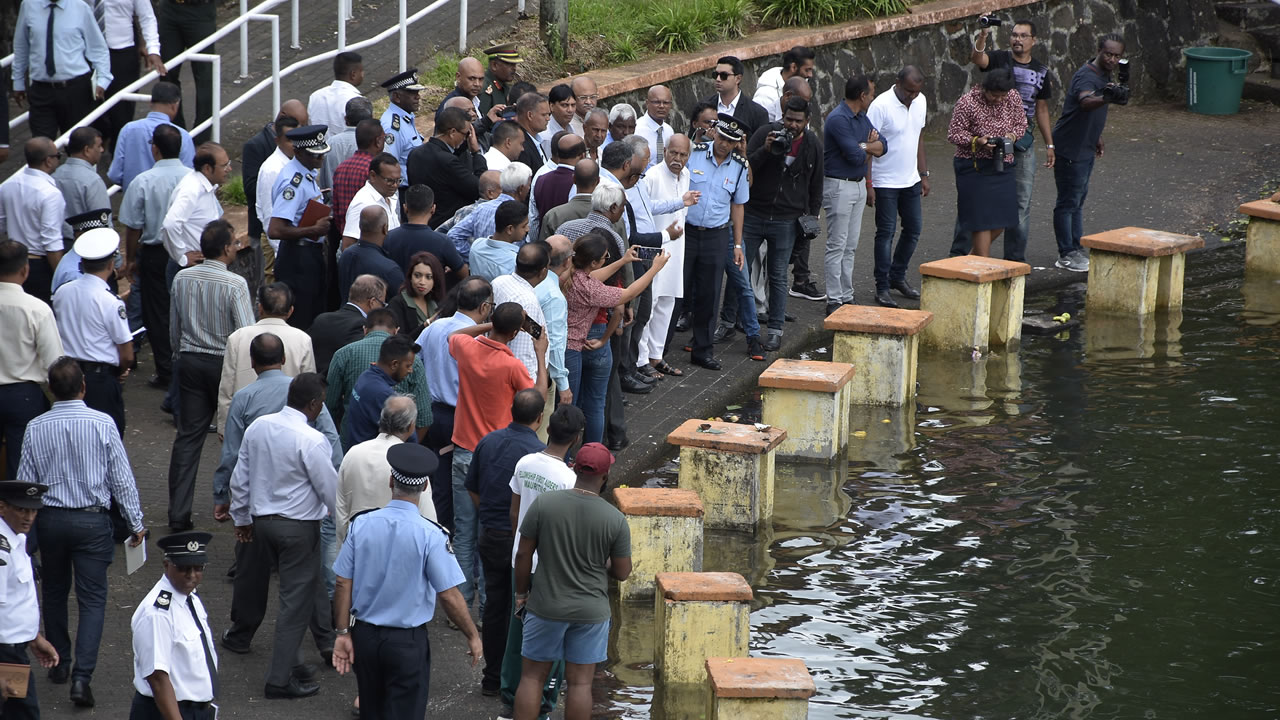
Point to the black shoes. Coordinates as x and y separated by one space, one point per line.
158 382
808 291
682 324
327 657
754 350
905 290
294 689
81 694
231 646
773 342
60 673
632 384
709 363
723 333
832 307
305 673
617 444
181 526
885 300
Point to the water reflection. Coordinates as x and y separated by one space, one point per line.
1261 300
1156 338
882 437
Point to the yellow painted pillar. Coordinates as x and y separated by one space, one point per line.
759 688
698 615
1262 242
730 466
976 302
1135 271
666 535
881 344
810 399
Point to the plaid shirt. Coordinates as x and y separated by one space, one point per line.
350 176
352 360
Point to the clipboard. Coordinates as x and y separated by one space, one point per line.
14 679
312 214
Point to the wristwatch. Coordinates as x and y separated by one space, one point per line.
343 631
862 145
924 174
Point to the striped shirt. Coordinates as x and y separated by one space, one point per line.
77 452
209 303
350 362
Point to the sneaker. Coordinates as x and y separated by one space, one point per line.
723 333
754 349
1074 262
808 291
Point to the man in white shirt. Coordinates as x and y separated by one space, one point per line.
275 305
194 204
284 484
563 106
362 479
796 62
270 169
585 90
117 19
505 145
666 180
518 287
328 105
383 185
31 212
595 130
653 125
729 98
898 180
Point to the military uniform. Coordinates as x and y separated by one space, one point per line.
708 234
20 618
92 321
398 124
495 91
300 262
171 635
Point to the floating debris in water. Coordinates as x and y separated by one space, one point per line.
732 407
932 466
762 427
859 433
886 421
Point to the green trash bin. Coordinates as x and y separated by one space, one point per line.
1215 79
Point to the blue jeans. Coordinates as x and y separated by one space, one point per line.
1072 178
780 238
1014 238
589 381
891 265
75 542
466 529
739 297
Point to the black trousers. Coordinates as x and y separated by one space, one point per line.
439 436
58 107
393 674
800 260
155 306
250 591
495 556
631 334
300 265
704 253
39 284
125 68
198 378
248 265
103 391
20 403
181 26
27 708
615 414
145 708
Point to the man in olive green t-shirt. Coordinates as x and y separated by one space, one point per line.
581 541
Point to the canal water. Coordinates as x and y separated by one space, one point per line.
1088 528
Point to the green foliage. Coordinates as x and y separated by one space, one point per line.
674 27
445 69
232 192
787 13
625 50
731 18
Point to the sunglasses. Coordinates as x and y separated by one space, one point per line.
721 75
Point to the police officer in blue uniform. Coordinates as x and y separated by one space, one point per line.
390 602
69 266
300 260
94 324
397 121
719 171
20 620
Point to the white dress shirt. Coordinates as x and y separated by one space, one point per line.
237 368
513 288
496 161
662 184
363 482
167 638
18 605
768 94
647 128
553 127
193 205
900 126
91 320
267 175
31 340
328 106
366 196
285 467
728 109
117 18
31 211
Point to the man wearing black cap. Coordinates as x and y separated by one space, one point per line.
501 75
69 267
20 621
398 120
300 262
392 605
175 677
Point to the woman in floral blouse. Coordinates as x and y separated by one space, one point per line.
986 200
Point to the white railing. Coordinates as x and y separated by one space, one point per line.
214 122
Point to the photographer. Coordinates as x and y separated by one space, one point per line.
985 124
1079 139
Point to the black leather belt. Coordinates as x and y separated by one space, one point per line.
98 367
700 228
846 179
60 83
92 509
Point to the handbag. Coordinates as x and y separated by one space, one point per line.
808 226
1023 143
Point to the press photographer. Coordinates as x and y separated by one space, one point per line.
985 124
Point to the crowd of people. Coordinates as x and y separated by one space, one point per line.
416 355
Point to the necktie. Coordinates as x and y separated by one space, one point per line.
50 68
204 644
100 13
661 149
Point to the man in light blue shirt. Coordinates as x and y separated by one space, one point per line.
495 256
515 180
555 311
133 154
59 86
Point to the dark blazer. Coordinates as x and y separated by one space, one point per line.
256 151
453 177
530 155
748 112
333 330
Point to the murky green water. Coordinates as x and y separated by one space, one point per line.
1089 528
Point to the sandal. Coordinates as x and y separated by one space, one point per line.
666 369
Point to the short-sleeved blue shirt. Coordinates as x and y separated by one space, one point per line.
1078 130
721 185
402 137
295 187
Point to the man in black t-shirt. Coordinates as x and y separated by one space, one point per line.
1036 88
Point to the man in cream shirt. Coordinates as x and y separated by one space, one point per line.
364 480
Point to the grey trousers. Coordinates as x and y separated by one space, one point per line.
293 548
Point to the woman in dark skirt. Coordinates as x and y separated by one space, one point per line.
986 197
418 301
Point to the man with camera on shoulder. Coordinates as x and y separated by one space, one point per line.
1079 142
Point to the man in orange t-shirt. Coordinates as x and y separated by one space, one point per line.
489 376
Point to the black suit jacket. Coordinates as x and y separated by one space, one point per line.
333 330
455 178
256 151
530 155
748 112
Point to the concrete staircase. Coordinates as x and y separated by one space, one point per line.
1254 25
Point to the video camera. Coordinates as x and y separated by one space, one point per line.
1000 147
1118 92
989 21
780 141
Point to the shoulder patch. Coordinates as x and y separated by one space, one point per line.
164 599
390 139
288 193
296 180
701 146
4 544
395 122
734 154
123 314
489 90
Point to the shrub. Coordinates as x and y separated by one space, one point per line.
731 18
784 13
232 192
678 27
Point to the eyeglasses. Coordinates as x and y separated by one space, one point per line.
591 98
387 180
662 103
225 166
381 303
721 75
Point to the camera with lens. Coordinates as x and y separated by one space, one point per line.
780 141
1000 146
1118 92
989 21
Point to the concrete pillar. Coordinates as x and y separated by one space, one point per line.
810 399
881 345
666 535
1262 243
810 497
698 615
730 466
1135 271
759 688
976 302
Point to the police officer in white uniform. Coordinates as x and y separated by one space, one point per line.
397 121
94 325
300 260
19 609
175 666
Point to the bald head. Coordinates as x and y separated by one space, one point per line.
796 86
658 103
398 415
463 104
470 77
41 154
295 109
373 224
561 251
490 184
588 94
